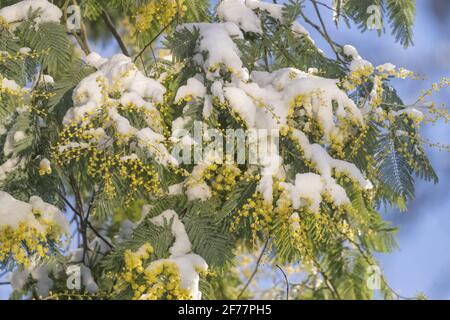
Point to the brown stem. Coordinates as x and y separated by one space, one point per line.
326 35
115 33
155 38
99 235
255 270
286 280
80 208
85 222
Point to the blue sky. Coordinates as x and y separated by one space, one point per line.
422 264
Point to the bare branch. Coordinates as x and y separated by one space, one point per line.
99 235
114 32
155 38
255 270
327 37
85 221
286 280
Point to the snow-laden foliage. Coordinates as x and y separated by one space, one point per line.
131 150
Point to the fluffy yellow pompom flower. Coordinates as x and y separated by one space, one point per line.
160 11
25 228
160 280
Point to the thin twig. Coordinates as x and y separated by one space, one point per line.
327 37
88 223
99 235
327 280
369 261
80 209
326 6
67 202
84 37
81 43
328 283
155 38
143 66
255 270
286 280
114 32
91 205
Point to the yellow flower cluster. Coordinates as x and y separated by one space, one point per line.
355 143
43 172
3 22
300 113
134 260
377 76
160 280
107 154
140 175
186 99
298 102
401 73
429 111
163 282
284 203
19 55
225 178
161 12
288 132
358 77
258 212
377 99
26 241
307 229
435 112
152 117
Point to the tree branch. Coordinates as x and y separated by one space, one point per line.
255 270
99 235
286 280
85 221
325 34
82 44
371 261
155 38
91 205
114 32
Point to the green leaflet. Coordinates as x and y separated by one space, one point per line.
400 15
51 40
